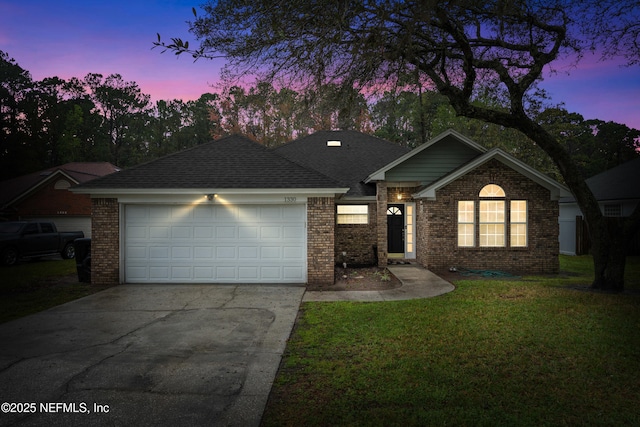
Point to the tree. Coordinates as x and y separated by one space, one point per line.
124 109
458 47
17 151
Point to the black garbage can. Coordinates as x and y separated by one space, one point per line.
83 259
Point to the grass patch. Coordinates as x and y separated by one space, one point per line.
528 352
34 286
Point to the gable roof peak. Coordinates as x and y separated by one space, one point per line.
451 134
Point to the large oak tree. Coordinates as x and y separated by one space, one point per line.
459 47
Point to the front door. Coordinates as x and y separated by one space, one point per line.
395 229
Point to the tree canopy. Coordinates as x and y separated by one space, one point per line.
464 49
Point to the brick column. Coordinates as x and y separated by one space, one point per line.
105 242
381 223
320 240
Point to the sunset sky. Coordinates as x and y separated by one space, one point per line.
71 38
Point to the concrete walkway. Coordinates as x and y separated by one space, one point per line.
417 282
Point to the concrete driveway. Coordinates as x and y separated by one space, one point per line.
148 355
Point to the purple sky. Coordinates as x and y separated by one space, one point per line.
70 38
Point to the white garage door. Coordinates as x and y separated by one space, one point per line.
215 244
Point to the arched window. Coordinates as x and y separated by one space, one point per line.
492 190
62 184
491 217
394 210
492 220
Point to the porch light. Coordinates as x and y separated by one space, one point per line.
399 196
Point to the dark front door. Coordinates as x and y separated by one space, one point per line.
395 229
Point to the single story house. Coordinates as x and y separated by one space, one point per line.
44 195
618 194
233 211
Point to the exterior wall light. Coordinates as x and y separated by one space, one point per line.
211 196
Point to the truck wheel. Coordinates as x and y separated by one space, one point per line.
69 251
9 256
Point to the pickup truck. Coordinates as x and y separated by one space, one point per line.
31 239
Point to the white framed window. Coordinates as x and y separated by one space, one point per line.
518 220
492 190
613 210
352 214
466 223
492 221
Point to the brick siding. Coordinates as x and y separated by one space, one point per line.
357 241
105 242
438 228
320 240
47 201
381 223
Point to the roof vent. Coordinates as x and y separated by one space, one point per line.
334 143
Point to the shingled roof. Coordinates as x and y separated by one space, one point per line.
618 183
350 163
231 162
80 172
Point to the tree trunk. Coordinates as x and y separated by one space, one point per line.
609 254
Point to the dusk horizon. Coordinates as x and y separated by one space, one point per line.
72 39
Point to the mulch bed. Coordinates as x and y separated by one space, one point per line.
360 279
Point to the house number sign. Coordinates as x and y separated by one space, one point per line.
289 199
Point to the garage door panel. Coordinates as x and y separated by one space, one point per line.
161 232
202 232
156 212
226 252
293 273
270 232
215 244
226 232
292 253
180 232
157 253
248 274
247 232
159 273
203 252
203 273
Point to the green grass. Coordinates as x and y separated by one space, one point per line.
528 352
34 286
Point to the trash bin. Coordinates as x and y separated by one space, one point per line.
83 259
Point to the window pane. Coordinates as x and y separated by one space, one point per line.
519 211
492 227
491 235
518 235
466 223
518 223
353 209
492 190
465 235
492 211
352 214
613 210
465 211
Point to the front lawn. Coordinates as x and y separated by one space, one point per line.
527 352
33 286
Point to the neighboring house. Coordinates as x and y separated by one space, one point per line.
44 195
617 191
234 211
